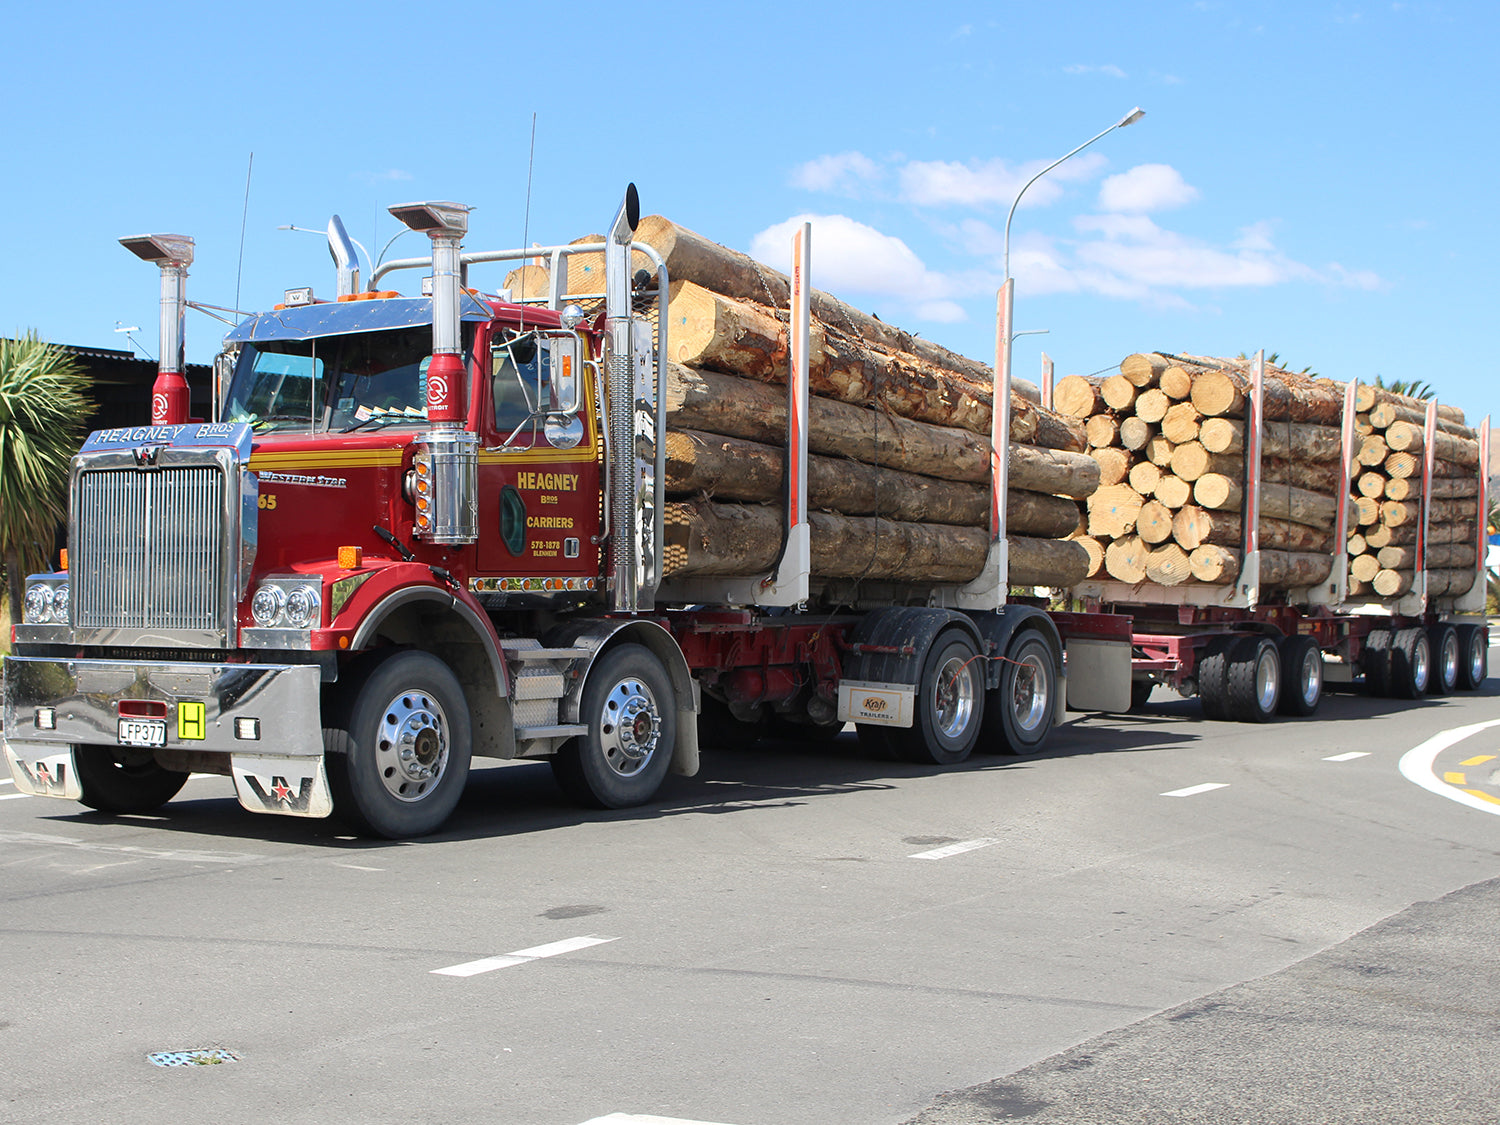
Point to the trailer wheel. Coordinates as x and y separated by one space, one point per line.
1212 683
1140 694
631 716
1301 675
1411 664
1375 662
1447 657
950 703
397 752
118 780
1252 679
1474 652
1018 713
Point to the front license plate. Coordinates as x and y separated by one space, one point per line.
143 732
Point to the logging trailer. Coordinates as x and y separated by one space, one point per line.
419 529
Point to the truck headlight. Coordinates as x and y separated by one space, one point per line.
39 600
301 609
61 597
267 605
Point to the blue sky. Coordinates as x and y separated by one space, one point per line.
1315 178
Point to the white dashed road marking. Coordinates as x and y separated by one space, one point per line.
520 957
954 849
644 1119
1194 790
1349 757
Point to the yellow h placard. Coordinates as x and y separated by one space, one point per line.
191 721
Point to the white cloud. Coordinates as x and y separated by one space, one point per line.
1146 187
850 257
840 173
948 183
1109 70
388 176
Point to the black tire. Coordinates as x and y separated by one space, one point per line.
397 747
631 713
1301 676
1140 694
1474 652
949 705
1447 659
1212 668
1411 664
1252 679
1375 662
1018 714
120 780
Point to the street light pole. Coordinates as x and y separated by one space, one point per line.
992 586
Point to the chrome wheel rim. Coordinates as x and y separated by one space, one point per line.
1448 659
411 745
1029 697
1421 664
1477 656
955 696
1265 680
1311 680
629 727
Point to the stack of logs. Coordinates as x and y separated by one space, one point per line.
1391 443
1169 435
898 437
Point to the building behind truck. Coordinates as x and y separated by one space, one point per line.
419 529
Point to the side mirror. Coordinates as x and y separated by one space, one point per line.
223 373
566 364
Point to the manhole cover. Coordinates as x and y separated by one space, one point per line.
211 1056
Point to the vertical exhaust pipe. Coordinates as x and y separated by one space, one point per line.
631 474
447 459
341 247
173 253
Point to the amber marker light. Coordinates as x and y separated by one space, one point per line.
351 558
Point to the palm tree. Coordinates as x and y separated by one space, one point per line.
42 411
1411 388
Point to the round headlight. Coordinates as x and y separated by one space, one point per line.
302 608
38 609
266 606
60 598
571 317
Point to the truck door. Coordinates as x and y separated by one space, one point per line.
540 463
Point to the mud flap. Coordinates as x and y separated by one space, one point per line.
43 769
285 786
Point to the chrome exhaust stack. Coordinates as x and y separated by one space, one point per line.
447 459
341 247
173 253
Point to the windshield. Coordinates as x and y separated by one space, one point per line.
363 381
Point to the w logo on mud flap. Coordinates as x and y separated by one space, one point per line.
44 779
280 797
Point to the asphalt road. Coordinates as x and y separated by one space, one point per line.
1160 920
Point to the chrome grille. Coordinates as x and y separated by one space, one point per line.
149 548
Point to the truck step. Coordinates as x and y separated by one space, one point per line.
562 730
524 655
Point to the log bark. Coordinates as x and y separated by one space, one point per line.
1314 476
1190 461
691 257
1278 569
1384 414
1280 501
1193 527
1278 439
1405 437
1439 556
1221 392
1367 397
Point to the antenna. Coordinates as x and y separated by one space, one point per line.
134 343
526 217
240 268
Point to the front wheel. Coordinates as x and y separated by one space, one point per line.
631 715
120 781
1018 713
397 751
